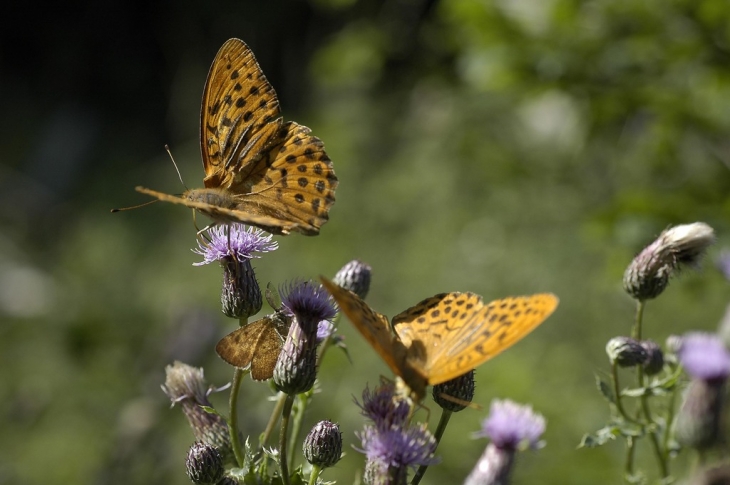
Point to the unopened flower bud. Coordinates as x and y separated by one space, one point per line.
240 295
186 386
654 358
204 464
455 394
648 274
323 444
354 276
626 352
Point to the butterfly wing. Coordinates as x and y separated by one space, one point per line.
255 346
294 182
270 224
377 331
460 333
238 116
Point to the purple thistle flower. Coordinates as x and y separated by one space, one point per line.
383 408
325 328
309 304
393 449
510 425
704 356
243 243
307 301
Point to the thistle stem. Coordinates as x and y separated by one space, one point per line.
316 470
443 422
233 415
273 420
283 465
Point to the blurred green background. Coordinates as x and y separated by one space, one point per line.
501 147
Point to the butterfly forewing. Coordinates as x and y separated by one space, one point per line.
371 324
255 346
477 335
238 113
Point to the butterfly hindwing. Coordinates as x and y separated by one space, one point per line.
298 170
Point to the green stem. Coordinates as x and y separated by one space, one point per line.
233 415
283 465
273 420
443 421
316 470
617 393
297 421
630 456
636 331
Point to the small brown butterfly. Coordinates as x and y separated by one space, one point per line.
444 336
259 170
256 346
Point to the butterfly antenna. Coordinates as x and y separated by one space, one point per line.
167 149
134 206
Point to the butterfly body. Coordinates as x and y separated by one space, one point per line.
446 335
259 169
256 346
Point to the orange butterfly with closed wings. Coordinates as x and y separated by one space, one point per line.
445 336
259 170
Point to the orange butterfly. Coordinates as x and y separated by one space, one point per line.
256 346
258 169
446 335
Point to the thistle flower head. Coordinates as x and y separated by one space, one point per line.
354 276
204 464
383 407
323 444
459 389
626 351
398 448
704 356
648 274
654 362
309 304
244 242
185 385
308 301
511 425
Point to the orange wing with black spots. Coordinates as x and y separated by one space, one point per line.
258 169
445 336
460 332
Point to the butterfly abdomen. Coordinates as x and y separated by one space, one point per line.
216 196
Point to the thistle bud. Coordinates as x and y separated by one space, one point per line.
323 445
648 274
185 385
204 465
354 276
460 389
240 295
654 358
626 352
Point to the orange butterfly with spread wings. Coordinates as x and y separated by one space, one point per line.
445 336
259 170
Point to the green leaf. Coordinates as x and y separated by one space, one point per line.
605 389
600 437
